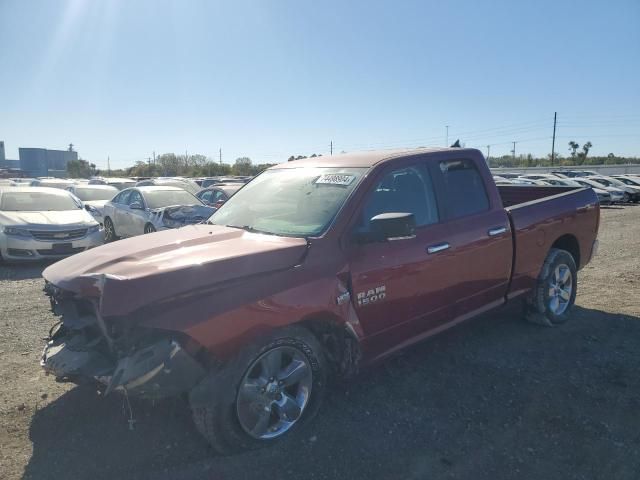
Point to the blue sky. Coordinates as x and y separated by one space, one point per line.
268 79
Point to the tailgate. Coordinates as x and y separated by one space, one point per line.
571 218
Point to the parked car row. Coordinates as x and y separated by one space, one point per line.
112 208
609 189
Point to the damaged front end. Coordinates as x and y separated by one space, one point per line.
85 347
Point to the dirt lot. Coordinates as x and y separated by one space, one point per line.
495 398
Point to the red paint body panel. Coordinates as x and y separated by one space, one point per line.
225 287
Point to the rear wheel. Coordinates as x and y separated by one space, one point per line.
555 291
266 392
109 231
149 228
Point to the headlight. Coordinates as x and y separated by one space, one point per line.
16 232
171 223
93 229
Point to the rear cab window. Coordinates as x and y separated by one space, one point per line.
463 189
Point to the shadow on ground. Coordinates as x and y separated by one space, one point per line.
22 271
495 398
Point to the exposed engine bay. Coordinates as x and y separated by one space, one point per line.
84 347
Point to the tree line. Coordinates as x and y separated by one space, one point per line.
172 165
197 165
578 156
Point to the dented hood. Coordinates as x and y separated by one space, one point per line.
129 274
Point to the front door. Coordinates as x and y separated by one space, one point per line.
402 287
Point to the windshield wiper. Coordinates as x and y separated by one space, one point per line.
250 229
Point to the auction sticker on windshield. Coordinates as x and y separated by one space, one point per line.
335 179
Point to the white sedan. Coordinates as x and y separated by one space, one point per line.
94 197
41 222
139 210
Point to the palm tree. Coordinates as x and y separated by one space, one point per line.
573 146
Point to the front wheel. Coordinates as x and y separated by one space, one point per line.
109 231
149 228
555 291
265 393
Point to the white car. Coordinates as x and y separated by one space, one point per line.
41 222
633 192
183 183
139 210
94 198
119 183
617 195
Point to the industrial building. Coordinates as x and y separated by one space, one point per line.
40 162
5 163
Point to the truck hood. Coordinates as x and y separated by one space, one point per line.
140 271
46 219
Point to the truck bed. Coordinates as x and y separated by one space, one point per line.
542 217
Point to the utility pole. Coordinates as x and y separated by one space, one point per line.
488 151
553 142
154 157
331 147
220 153
446 138
108 166
514 150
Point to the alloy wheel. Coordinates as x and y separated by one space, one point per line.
560 289
274 392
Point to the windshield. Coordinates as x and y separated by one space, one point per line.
121 185
602 181
36 202
615 182
297 202
166 198
628 181
90 194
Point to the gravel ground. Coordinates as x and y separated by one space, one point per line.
495 398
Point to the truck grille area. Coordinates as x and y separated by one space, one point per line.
60 235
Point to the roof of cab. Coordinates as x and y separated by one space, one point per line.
366 159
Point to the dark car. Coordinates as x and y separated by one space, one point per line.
217 195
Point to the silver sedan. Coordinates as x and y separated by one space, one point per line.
148 209
41 222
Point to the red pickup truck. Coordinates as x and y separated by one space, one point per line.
312 270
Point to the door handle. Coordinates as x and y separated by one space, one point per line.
496 231
437 248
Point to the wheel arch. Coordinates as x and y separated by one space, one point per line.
340 342
569 243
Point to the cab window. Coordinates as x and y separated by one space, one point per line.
464 191
406 190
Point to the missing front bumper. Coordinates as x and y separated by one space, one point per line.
159 370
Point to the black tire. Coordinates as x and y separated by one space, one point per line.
149 228
538 308
213 401
109 231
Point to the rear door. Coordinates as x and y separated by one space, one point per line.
478 232
401 287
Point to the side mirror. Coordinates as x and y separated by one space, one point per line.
389 226
394 225
136 206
